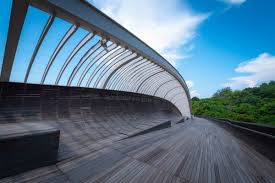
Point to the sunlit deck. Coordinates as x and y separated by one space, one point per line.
197 150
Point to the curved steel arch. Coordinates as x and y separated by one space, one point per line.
129 68
136 72
37 47
137 68
162 85
139 80
124 71
88 53
156 80
80 45
110 66
170 91
136 80
174 96
113 55
115 74
60 45
116 69
140 85
168 87
97 57
140 74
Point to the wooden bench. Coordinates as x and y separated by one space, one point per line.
26 146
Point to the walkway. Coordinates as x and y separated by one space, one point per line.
194 151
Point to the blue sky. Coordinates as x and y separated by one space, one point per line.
213 43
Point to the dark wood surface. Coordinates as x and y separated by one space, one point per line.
197 150
27 146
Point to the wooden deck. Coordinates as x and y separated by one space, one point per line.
194 151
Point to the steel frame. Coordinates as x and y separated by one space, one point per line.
126 64
141 75
97 57
134 73
60 45
78 47
120 58
123 71
88 53
113 55
37 47
116 69
150 88
141 84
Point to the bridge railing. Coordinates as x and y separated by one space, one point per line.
260 137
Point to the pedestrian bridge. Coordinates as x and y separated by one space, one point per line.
84 100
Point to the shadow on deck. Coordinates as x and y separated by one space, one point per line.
195 151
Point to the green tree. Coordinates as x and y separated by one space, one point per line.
255 104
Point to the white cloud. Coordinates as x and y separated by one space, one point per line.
193 92
190 84
166 26
234 2
260 69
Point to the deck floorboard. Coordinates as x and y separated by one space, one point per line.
196 151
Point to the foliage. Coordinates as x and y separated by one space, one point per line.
256 105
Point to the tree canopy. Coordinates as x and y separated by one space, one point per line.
256 105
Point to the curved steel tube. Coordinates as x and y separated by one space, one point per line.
123 71
151 88
147 79
88 53
152 82
114 71
174 96
138 75
63 41
100 55
80 45
130 67
167 88
133 73
105 61
156 80
170 91
37 47
144 75
162 85
120 58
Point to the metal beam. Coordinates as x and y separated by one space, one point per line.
114 71
142 76
147 79
80 45
151 85
86 55
178 94
134 73
129 69
100 55
120 58
113 55
171 90
37 47
135 77
17 18
60 45
163 85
